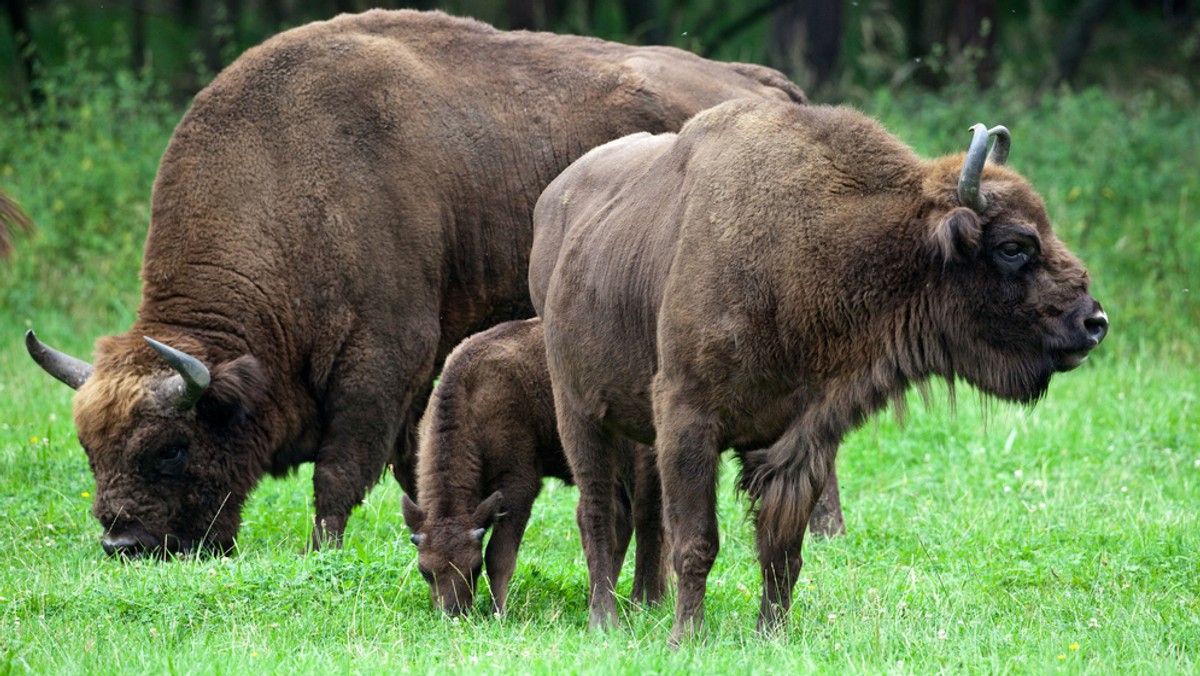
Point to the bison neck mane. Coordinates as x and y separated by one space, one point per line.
450 464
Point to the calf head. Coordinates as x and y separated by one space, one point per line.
1011 302
450 550
171 442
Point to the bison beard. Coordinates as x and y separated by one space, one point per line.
764 281
336 211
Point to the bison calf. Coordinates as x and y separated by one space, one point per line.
767 279
485 443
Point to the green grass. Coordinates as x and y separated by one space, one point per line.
993 539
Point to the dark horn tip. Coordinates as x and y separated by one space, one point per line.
67 369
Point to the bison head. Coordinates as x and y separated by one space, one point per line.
450 551
170 441
1014 304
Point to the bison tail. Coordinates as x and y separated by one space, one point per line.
783 486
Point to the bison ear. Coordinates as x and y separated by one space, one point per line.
957 235
236 389
414 516
488 511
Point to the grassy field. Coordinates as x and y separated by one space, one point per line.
989 539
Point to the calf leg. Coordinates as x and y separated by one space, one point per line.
501 556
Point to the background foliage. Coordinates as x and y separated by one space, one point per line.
992 539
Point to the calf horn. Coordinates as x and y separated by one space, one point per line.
193 378
74 372
968 181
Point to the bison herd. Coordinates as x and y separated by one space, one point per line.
714 264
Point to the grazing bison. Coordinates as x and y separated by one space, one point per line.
766 279
487 440
338 209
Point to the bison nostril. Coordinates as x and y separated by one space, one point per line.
1096 327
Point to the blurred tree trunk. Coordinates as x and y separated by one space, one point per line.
644 24
808 33
966 28
973 34
18 18
823 21
1078 35
533 15
219 24
138 37
786 45
273 12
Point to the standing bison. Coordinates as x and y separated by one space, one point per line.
486 441
338 209
767 279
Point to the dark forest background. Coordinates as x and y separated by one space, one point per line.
837 49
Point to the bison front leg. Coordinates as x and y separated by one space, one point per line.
347 466
589 452
688 454
785 482
368 404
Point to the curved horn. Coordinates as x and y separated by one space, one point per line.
1000 148
193 375
972 170
74 372
968 181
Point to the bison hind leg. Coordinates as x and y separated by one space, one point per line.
590 453
826 519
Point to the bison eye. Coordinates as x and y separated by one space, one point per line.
172 460
1011 256
425 574
477 571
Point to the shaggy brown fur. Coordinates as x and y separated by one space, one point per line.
487 440
11 218
767 279
341 206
